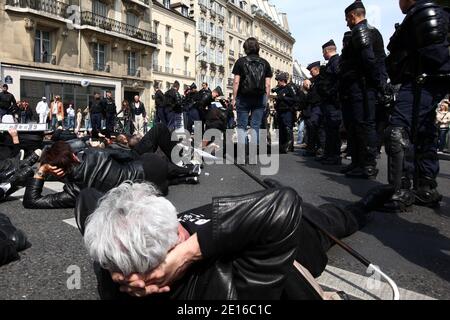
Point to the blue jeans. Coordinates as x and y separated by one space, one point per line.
443 139
301 131
70 122
87 124
244 106
54 122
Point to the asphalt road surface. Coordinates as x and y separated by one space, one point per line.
412 248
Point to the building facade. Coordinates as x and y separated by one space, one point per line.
210 41
222 28
174 58
50 47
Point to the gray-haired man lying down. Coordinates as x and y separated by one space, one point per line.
235 248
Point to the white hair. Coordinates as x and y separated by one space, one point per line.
132 230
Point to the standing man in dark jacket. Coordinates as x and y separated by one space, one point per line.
97 110
7 102
328 90
174 105
110 108
362 77
313 113
159 104
285 106
419 46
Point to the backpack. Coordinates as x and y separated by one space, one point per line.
254 82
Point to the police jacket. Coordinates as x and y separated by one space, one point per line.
173 101
420 44
109 106
363 57
159 99
286 99
98 169
96 106
204 100
7 101
327 86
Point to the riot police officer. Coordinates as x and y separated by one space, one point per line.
362 77
419 46
313 113
328 90
173 106
285 102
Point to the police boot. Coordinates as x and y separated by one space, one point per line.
31 160
368 172
401 201
6 175
427 194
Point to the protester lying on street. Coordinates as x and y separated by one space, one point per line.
240 247
12 241
11 142
89 168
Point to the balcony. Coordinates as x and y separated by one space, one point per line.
95 20
203 64
144 3
133 72
187 47
187 74
221 17
53 7
203 35
230 82
46 58
169 42
213 13
221 69
222 43
231 53
203 8
101 67
214 39
168 70
156 68
213 67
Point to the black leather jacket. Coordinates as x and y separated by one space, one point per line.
98 169
251 244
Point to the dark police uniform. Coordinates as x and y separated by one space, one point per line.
314 116
173 103
7 104
159 104
96 108
285 106
362 78
328 90
419 46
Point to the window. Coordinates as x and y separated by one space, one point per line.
166 3
42 47
99 8
99 57
132 65
185 11
249 28
212 29
155 26
186 65
155 58
168 57
240 47
230 20
201 25
132 19
186 38
239 22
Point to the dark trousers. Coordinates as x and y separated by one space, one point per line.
443 139
2 113
423 160
110 124
316 134
160 116
96 122
286 127
190 117
358 110
333 120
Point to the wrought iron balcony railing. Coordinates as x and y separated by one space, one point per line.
45 58
95 20
101 67
54 7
